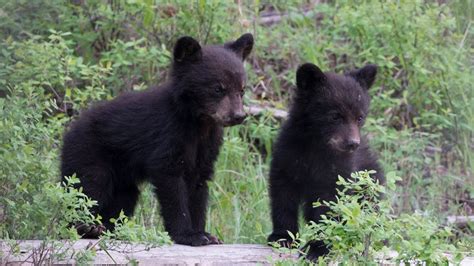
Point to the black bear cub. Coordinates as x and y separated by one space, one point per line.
168 135
319 141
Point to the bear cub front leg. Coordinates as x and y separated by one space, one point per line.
198 207
175 209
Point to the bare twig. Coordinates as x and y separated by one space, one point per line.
255 110
277 18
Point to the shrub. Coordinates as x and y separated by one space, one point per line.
360 227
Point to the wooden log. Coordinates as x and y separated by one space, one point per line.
242 254
36 252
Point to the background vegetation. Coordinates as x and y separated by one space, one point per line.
58 57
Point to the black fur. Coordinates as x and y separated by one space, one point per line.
168 135
319 141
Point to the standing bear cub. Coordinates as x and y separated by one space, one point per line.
319 141
169 135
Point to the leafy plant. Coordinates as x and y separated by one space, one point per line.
130 232
359 228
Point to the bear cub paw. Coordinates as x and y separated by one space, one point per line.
283 239
196 239
315 249
88 231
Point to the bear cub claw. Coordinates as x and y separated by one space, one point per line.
90 231
284 240
315 249
213 239
196 239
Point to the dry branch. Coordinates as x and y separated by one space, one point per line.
255 110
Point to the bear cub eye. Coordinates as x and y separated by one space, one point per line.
360 119
219 90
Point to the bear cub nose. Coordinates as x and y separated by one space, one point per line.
239 117
352 144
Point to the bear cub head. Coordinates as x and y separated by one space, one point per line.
211 79
333 106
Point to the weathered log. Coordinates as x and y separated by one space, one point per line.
242 254
36 252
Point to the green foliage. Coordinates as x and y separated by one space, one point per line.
239 187
47 215
129 231
360 229
24 19
134 64
47 63
32 205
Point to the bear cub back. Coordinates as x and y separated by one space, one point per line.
320 140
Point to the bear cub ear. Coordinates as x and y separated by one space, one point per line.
242 46
309 76
365 76
187 49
